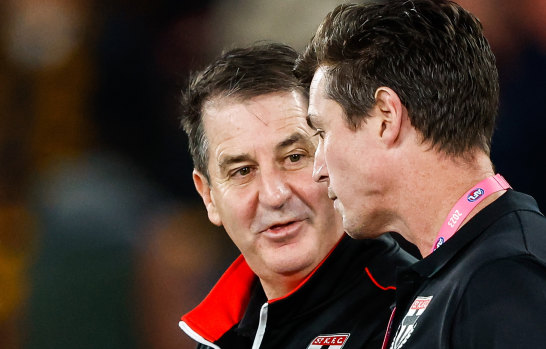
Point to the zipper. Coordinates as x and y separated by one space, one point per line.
261 327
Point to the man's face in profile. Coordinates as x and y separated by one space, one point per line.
350 161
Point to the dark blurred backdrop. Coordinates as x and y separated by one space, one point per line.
103 241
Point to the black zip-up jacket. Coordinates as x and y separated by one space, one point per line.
344 303
483 288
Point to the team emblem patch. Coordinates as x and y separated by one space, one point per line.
409 322
329 341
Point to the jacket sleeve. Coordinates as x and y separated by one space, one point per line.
503 306
202 346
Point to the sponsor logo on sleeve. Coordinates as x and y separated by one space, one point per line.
409 322
329 341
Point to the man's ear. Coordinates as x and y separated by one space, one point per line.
203 188
391 112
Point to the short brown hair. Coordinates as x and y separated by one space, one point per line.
432 53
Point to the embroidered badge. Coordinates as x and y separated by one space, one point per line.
409 322
329 341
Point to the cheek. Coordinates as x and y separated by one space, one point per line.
336 156
314 195
303 185
237 207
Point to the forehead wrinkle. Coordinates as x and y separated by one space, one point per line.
280 109
257 116
248 103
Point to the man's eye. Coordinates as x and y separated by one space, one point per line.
241 175
295 157
243 171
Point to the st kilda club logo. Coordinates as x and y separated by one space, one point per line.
329 341
409 322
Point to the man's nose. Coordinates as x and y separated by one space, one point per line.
320 171
275 189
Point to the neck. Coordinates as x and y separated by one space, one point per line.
280 287
440 181
281 281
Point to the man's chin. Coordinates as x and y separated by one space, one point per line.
289 260
354 234
354 231
360 232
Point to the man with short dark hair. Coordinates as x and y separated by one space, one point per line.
300 282
403 95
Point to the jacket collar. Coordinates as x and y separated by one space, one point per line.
228 302
238 296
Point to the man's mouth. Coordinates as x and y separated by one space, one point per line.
282 232
280 226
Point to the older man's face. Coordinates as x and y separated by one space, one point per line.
261 188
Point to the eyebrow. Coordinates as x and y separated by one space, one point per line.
294 138
230 160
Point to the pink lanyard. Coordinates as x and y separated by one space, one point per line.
456 217
466 203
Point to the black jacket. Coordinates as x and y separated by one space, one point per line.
484 288
345 303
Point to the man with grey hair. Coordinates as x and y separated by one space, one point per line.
300 281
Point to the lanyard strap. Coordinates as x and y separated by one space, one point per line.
455 218
466 204
387 337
